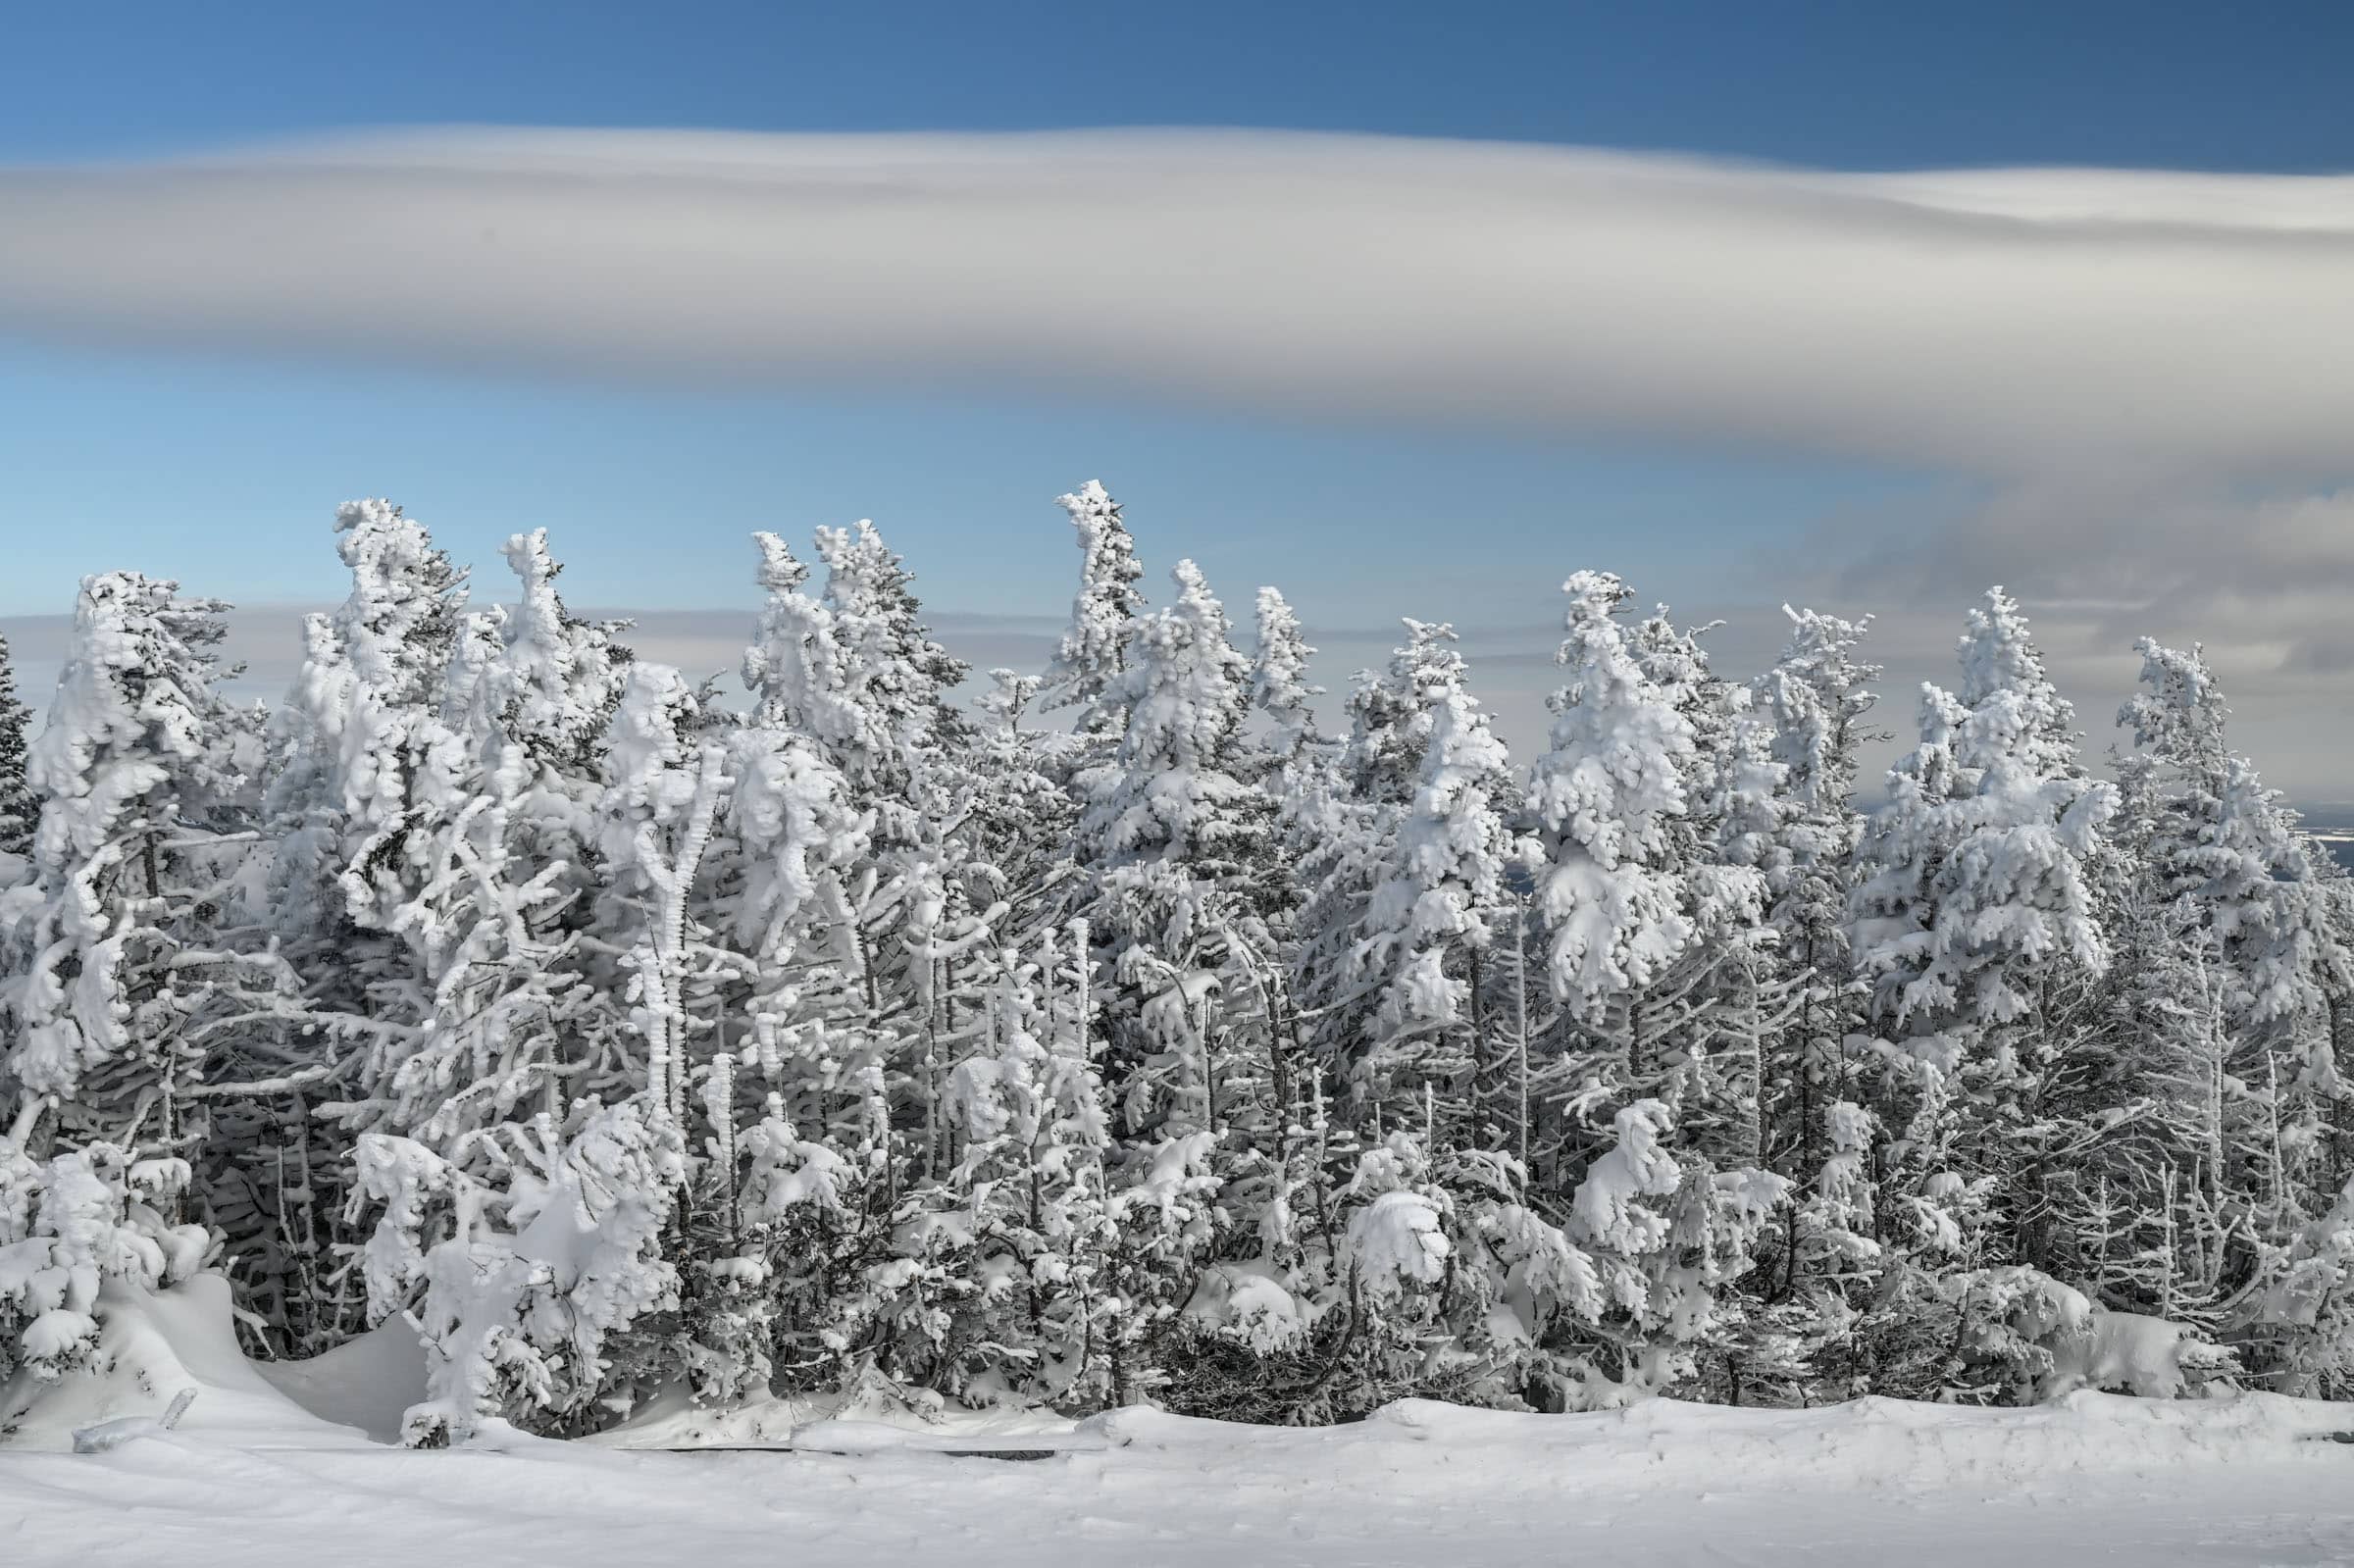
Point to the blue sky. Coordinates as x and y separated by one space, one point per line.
222 465
1853 84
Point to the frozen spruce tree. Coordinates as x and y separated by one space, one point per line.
1033 1146
488 880
1090 661
2225 854
559 677
898 680
1976 878
108 940
931 910
1607 800
1817 700
512 1089
807 760
1184 894
127 1004
354 742
1976 919
795 667
1654 810
1645 809
1279 684
18 810
357 750
1178 843
1429 926
1389 723
1341 822
1712 1030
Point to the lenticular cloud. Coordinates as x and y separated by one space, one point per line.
2002 320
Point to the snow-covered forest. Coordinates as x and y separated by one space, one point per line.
1146 1029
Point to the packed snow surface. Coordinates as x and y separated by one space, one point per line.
254 1479
2093 1478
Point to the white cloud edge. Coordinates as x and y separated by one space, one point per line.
2002 322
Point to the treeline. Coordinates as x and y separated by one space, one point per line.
1132 1033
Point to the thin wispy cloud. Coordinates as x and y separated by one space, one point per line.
2130 367
1995 320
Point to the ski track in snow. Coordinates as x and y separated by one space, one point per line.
2091 1479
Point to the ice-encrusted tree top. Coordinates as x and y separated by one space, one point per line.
2001 666
400 621
132 752
561 677
1446 875
1089 663
367 705
19 807
131 731
1976 878
793 668
1279 684
2179 717
2227 856
854 668
1603 799
1185 691
1388 722
1815 696
900 675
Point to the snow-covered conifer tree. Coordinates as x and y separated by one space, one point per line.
1279 685
107 941
127 1009
487 879
1817 698
1090 661
1976 919
1389 723
1180 843
18 810
1033 1143
1429 922
1603 799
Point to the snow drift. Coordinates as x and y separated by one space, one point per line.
154 1348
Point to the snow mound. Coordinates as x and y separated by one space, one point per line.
369 1383
151 1349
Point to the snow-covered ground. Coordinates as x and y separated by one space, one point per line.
257 1477
2094 1480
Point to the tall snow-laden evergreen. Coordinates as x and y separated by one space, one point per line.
20 808
2234 928
1180 846
1431 921
124 998
1279 684
1977 921
1090 660
1602 800
107 933
1819 1132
